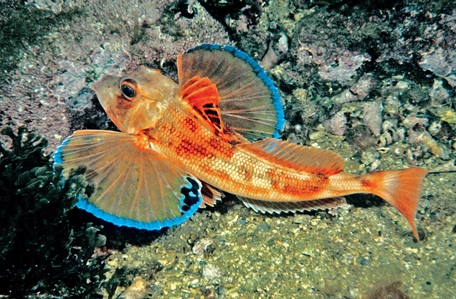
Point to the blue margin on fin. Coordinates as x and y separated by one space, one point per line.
155 225
58 152
189 183
258 70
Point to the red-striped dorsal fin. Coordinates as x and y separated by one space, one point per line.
300 158
203 96
249 102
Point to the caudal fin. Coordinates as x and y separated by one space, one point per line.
401 189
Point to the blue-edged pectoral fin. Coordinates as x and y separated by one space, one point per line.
134 185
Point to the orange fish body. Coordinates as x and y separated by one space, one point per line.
183 145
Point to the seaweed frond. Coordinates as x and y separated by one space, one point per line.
36 238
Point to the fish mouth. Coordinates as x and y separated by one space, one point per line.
106 89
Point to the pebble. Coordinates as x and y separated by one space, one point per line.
137 289
203 246
211 272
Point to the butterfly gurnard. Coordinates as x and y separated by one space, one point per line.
181 146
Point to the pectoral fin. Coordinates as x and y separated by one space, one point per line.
135 185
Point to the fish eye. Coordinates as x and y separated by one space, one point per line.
128 88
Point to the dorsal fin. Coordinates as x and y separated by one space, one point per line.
249 102
300 158
203 96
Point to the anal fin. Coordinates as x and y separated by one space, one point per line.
272 207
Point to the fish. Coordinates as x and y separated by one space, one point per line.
182 146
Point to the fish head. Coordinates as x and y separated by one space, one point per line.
136 101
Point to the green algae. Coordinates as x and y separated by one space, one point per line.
36 237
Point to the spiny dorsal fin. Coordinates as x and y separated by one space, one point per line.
249 102
272 207
199 92
203 96
300 158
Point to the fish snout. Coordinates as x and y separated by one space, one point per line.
107 82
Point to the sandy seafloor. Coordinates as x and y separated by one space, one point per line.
373 82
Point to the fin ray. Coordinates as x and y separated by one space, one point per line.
203 96
297 157
244 88
292 207
135 186
211 195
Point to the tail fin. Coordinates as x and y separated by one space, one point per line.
401 189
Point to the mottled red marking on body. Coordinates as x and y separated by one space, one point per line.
191 124
366 183
247 175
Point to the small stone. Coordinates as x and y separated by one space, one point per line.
203 246
337 124
300 218
427 286
264 227
315 221
211 272
137 289
372 115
